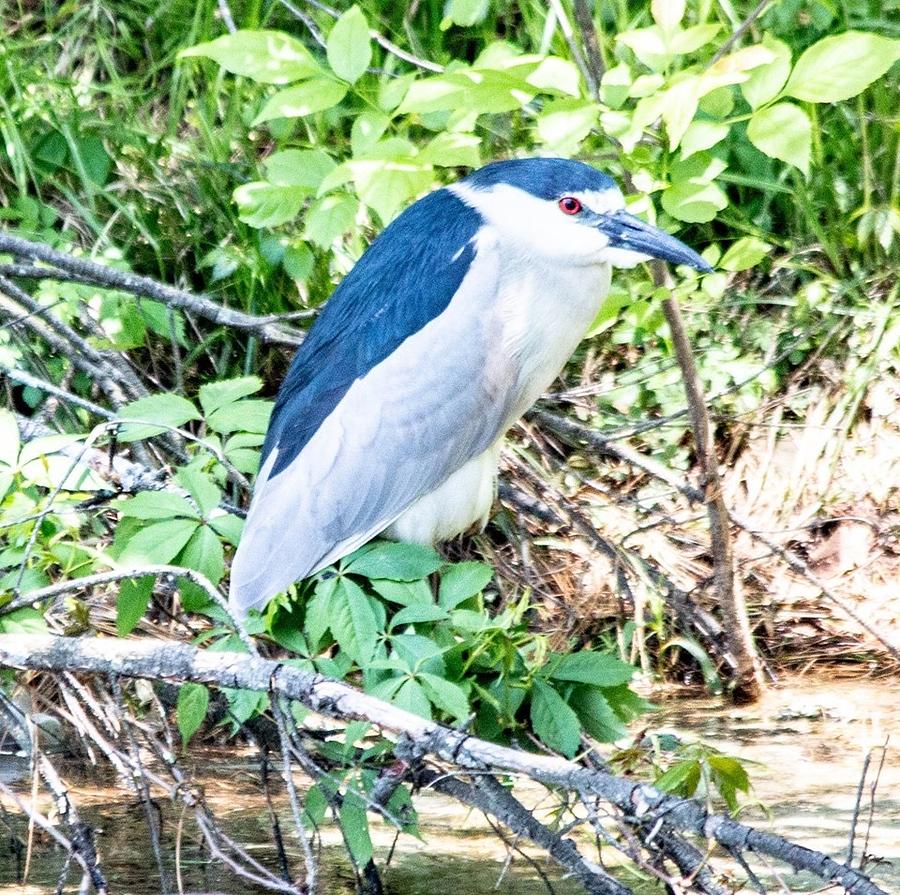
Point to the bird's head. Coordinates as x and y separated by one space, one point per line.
569 211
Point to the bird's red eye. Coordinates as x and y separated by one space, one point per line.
569 205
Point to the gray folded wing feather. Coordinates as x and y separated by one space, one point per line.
439 400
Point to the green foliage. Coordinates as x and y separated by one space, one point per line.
190 711
699 769
433 647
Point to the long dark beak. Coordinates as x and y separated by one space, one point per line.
625 231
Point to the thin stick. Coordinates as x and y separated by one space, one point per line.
565 26
747 681
577 433
740 31
589 38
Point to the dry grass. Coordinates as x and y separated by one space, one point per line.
819 474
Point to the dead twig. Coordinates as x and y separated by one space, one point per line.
266 328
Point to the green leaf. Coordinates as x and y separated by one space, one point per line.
679 109
263 204
747 252
9 437
203 553
693 202
6 481
94 158
26 620
626 703
419 612
840 66
718 103
355 826
298 261
397 561
193 700
389 175
596 716
648 45
155 413
214 395
157 543
462 581
269 57
368 128
467 12
285 631
40 464
329 218
556 75
353 621
134 597
667 14
305 99
392 90
314 806
766 81
599 669
691 39
349 48
681 779
244 704
387 689
553 720
469 620
448 697
242 416
227 526
564 123
201 487
451 150
435 94
731 770
299 167
406 593
615 85
418 653
319 611
783 131
155 505
702 135
411 696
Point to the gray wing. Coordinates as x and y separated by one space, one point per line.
442 398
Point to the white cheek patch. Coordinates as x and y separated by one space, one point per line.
624 258
539 227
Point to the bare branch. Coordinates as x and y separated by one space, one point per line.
747 681
641 804
589 37
267 328
740 31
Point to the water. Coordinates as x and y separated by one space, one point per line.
807 741
810 739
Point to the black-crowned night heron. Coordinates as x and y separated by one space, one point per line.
445 332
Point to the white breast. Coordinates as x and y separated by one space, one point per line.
545 311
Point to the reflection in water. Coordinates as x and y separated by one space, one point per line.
808 738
